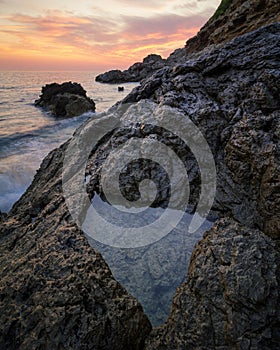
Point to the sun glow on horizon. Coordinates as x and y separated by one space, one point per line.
108 35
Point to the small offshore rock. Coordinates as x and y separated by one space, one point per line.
65 100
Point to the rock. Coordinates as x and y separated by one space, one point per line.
56 291
136 72
65 100
230 299
232 18
227 91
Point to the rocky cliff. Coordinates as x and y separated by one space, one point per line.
232 18
57 292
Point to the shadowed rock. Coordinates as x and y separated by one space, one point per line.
230 299
136 72
65 100
56 291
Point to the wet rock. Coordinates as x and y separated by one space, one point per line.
65 100
230 299
56 291
221 90
134 73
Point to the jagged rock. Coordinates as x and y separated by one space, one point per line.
232 18
65 100
56 291
230 299
222 89
134 73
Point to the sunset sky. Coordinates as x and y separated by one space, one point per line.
94 35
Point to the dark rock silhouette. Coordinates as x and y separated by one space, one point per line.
65 100
136 72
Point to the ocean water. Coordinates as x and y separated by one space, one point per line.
28 133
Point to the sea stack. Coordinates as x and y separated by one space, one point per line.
65 100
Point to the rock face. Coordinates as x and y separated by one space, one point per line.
56 291
65 100
230 299
232 18
232 94
136 72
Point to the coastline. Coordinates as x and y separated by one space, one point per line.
58 291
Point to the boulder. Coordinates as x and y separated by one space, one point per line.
65 100
56 291
230 299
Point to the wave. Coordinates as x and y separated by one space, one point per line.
54 127
3 87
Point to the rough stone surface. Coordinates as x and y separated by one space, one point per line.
232 94
134 73
232 18
230 299
56 291
65 100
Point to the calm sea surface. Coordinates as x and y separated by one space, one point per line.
28 133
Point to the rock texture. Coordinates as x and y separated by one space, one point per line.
56 291
232 94
134 73
230 299
234 18
65 100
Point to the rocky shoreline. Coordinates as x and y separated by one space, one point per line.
57 292
134 73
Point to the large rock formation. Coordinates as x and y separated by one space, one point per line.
57 292
136 72
232 18
232 94
65 100
230 299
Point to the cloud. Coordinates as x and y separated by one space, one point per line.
165 24
119 38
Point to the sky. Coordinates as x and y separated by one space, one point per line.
96 34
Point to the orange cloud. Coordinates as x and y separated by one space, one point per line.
63 40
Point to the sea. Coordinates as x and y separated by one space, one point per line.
29 133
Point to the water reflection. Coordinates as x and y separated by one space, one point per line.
151 273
